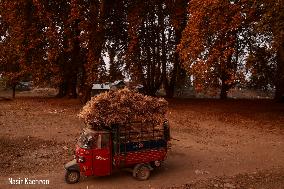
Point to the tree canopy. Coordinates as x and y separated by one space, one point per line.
219 44
220 34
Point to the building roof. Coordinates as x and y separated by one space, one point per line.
100 86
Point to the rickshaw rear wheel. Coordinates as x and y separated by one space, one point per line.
72 176
141 172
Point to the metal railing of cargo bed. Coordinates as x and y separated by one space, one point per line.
136 132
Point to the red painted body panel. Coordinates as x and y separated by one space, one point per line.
101 162
133 158
87 166
98 159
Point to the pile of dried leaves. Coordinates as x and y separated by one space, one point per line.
123 107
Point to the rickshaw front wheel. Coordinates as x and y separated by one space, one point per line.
72 176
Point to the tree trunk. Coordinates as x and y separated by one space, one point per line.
170 88
14 91
75 63
224 91
279 84
180 14
99 13
85 94
70 68
61 90
68 88
72 86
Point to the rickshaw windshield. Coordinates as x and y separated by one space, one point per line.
87 140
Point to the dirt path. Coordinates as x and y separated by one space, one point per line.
230 144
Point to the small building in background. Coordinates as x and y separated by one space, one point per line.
100 88
103 87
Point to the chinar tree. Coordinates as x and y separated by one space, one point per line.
154 31
270 23
222 37
212 44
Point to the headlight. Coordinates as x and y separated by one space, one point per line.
81 159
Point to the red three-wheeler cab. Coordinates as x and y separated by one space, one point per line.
100 152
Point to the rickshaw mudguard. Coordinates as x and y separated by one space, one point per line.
72 166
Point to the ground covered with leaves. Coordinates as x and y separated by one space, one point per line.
216 144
